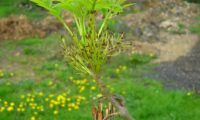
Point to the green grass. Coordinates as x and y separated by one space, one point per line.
36 65
11 7
195 28
193 1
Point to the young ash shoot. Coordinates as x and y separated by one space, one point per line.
91 44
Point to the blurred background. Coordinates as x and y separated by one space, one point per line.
158 74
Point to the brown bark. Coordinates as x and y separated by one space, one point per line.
118 104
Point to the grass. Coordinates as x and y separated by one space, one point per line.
11 7
195 28
33 73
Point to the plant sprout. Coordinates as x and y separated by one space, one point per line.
91 45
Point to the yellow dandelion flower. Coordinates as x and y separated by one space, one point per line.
51 105
28 100
36 113
1 74
76 107
69 109
22 109
12 104
18 109
5 103
99 95
10 109
189 94
55 112
32 99
78 103
50 83
82 88
33 118
2 109
117 70
151 55
56 103
56 65
11 74
68 99
93 88
51 95
71 78
124 68
21 105
22 96
46 99
41 94
29 94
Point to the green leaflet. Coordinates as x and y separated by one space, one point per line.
91 45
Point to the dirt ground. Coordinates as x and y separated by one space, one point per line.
158 31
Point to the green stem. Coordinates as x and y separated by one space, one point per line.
66 26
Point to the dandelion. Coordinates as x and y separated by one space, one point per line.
41 94
46 99
32 118
12 104
11 74
99 95
32 100
51 95
189 94
117 70
93 88
69 109
5 103
23 109
71 78
21 105
82 88
2 109
63 105
68 99
151 55
50 83
1 74
10 109
94 81
22 96
18 109
124 68
51 105
56 65
55 112
36 113
29 94
76 107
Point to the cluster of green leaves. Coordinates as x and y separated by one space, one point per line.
91 44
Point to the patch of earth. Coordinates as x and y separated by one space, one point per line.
174 16
164 31
19 27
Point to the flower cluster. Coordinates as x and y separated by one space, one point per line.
5 74
41 103
120 69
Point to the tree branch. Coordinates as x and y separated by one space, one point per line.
123 112
111 115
